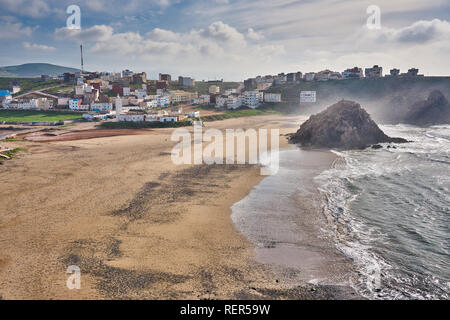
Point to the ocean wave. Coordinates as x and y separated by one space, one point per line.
390 206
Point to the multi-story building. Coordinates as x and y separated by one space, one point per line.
214 89
126 91
374 72
413 72
74 104
127 73
44 103
326 75
101 107
186 82
163 101
162 84
353 73
250 84
221 101
130 117
165 77
291 77
272 97
394 72
80 89
252 99
139 78
310 76
234 101
141 94
179 96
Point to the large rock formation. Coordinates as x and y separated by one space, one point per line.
344 125
433 111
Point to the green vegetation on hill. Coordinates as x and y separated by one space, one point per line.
242 112
30 70
27 84
36 116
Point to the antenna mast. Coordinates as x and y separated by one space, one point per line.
82 63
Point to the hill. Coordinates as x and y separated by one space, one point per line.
31 70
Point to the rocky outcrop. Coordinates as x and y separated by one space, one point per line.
433 111
344 125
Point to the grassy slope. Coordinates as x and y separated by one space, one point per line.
34 70
36 116
28 84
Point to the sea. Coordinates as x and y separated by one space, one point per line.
388 211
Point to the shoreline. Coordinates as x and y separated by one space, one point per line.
283 217
138 226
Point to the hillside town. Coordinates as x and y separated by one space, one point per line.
131 97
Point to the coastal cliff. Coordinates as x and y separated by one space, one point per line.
433 111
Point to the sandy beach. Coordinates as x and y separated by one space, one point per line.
138 226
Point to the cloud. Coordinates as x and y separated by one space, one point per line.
29 8
253 35
215 48
38 47
13 30
420 32
94 33
163 35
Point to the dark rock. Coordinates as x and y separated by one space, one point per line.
378 146
433 111
344 125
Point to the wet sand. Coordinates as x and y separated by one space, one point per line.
138 226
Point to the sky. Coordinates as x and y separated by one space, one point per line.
228 39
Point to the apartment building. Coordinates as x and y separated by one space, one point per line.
272 97
374 72
186 82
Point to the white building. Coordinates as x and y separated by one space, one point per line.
101 107
163 101
354 73
194 114
80 89
168 119
130 117
221 101
15 89
272 97
252 99
140 94
126 91
28 105
151 103
74 104
118 103
234 102
63 101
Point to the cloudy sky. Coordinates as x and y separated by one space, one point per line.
230 39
